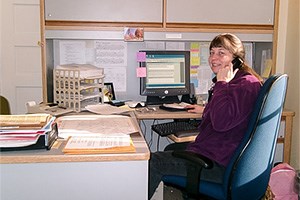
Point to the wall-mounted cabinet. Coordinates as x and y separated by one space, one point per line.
104 11
164 15
255 12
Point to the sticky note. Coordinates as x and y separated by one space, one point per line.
141 56
141 72
195 61
195 45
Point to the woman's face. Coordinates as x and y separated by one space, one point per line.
219 58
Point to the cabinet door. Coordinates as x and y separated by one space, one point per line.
221 12
105 10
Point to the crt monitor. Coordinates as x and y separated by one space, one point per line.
167 76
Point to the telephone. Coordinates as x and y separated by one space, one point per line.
237 63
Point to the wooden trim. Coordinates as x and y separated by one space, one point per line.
43 51
182 139
152 29
164 14
159 27
275 36
220 26
287 138
82 24
219 30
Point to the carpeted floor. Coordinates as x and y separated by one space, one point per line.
171 193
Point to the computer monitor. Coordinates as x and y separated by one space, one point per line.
167 76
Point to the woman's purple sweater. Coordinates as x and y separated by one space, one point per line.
225 117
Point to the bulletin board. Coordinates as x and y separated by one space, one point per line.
119 60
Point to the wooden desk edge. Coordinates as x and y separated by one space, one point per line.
56 155
182 139
163 114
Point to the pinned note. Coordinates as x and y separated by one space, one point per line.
267 71
195 45
141 72
141 56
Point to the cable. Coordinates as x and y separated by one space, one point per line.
157 144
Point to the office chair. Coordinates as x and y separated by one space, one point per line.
4 106
247 175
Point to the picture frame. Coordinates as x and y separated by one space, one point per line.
133 34
109 92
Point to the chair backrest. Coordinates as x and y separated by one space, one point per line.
248 172
4 106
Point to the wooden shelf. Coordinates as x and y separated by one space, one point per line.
159 27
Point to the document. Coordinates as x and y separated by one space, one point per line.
116 143
72 52
179 106
16 140
92 125
101 141
106 109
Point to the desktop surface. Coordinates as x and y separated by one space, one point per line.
154 112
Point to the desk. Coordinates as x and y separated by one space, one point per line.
48 175
287 116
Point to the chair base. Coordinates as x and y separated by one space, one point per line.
172 193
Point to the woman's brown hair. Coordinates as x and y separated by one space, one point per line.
235 46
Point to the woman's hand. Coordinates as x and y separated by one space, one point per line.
226 74
195 108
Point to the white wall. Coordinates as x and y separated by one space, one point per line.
1 84
292 65
288 62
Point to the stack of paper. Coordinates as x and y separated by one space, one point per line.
113 143
106 109
93 125
97 133
30 130
86 70
30 121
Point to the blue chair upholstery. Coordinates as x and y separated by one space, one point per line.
247 175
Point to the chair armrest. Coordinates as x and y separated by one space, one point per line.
195 158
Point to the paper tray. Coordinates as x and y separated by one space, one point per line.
45 141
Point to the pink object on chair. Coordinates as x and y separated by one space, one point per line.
283 182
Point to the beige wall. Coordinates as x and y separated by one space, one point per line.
289 62
1 84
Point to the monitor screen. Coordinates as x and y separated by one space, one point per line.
167 76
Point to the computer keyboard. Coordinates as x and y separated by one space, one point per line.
178 128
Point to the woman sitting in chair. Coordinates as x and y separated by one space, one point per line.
225 117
